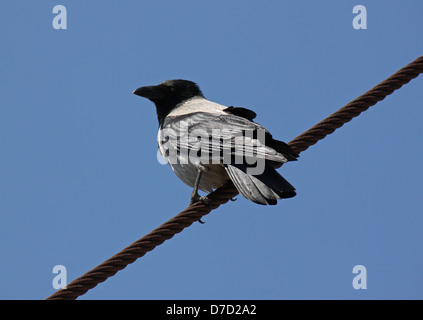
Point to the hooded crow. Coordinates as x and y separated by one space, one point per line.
207 143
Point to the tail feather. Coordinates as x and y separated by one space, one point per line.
266 188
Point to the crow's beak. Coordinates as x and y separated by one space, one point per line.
150 92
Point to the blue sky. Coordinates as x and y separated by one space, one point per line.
79 178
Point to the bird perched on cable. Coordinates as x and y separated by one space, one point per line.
207 143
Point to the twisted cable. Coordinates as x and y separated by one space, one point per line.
223 194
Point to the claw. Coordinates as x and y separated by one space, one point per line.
234 199
196 197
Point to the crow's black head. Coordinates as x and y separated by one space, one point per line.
167 95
